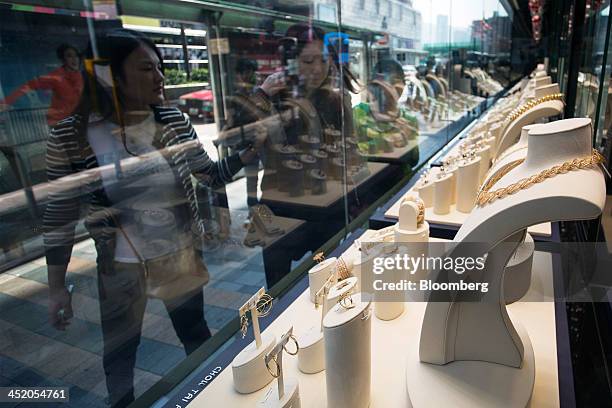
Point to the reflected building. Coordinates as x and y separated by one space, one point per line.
397 18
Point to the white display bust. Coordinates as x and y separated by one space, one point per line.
575 195
482 333
512 131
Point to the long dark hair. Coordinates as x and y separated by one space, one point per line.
112 49
307 33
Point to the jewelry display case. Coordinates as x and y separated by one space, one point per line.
280 154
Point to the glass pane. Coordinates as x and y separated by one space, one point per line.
161 162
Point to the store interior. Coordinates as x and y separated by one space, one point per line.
271 203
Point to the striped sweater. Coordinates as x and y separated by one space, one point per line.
69 152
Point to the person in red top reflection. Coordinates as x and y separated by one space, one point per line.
65 84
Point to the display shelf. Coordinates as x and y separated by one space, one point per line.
446 226
454 219
335 191
399 154
289 225
536 311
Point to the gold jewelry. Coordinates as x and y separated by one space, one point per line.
264 305
346 300
342 269
420 205
276 372
527 106
264 212
244 324
318 258
297 346
485 196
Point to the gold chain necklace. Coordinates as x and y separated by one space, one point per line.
527 106
486 196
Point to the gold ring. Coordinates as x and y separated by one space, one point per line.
346 301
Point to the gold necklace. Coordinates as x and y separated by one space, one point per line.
527 106
486 196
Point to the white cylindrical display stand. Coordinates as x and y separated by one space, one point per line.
348 354
318 275
468 181
311 358
385 306
443 194
426 193
364 262
485 160
249 367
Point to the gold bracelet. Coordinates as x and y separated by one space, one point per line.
342 269
421 207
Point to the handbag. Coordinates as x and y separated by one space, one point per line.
173 275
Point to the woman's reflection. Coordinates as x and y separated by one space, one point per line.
143 213
312 152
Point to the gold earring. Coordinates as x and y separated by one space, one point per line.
297 346
264 305
275 373
244 324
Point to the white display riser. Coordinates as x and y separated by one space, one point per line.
456 218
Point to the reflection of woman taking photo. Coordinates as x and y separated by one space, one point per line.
314 86
143 218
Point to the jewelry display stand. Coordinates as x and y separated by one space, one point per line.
510 153
362 258
389 308
348 350
249 366
311 359
485 158
542 80
517 275
287 392
467 184
443 194
388 384
426 193
318 275
543 110
474 345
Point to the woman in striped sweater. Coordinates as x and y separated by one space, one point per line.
136 162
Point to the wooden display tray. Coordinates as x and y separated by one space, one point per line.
391 341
